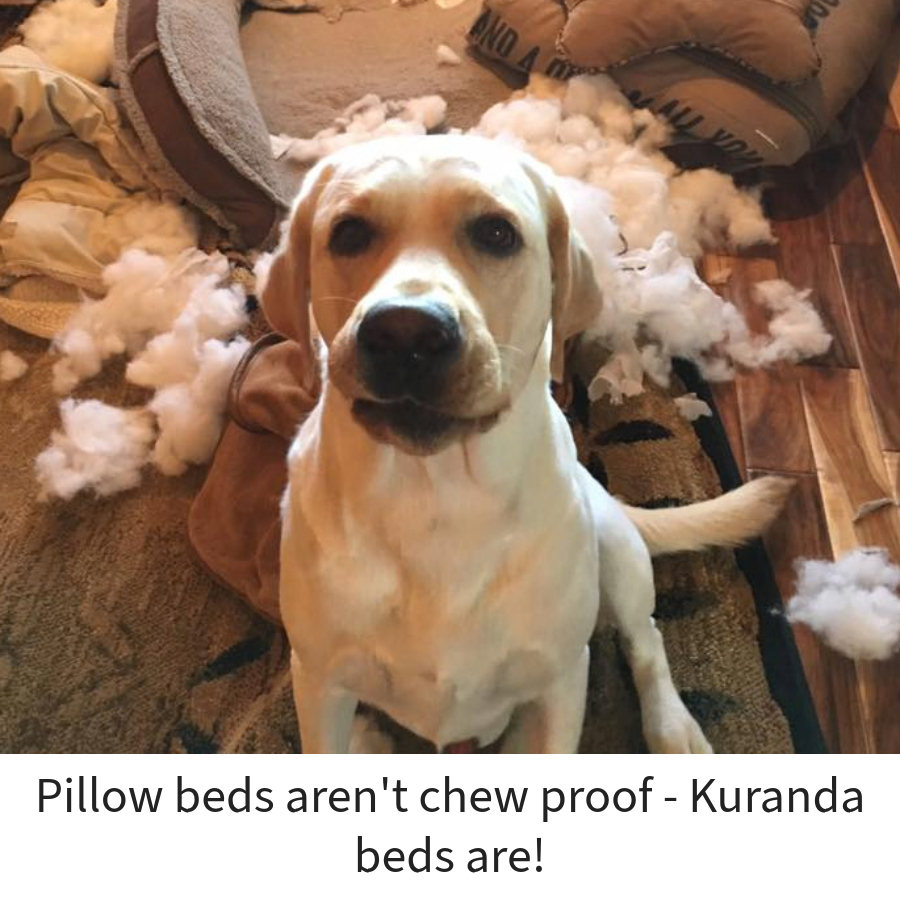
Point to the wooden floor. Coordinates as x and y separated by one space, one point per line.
834 423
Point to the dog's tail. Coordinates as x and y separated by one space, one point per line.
726 521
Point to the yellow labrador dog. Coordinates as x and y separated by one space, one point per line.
444 555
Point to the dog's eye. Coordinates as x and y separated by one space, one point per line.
495 235
351 236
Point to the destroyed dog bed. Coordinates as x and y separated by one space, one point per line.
187 93
743 84
758 84
203 84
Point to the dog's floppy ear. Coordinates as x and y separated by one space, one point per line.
577 299
285 294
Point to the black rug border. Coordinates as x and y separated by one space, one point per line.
781 658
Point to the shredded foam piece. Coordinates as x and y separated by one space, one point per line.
73 35
367 118
852 604
12 367
146 296
692 407
174 318
99 448
190 412
447 56
871 506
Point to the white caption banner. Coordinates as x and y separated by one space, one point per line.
564 832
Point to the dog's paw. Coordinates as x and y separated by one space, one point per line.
676 731
367 737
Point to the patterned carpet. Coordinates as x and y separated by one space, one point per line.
113 639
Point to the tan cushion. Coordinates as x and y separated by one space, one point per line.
767 37
733 115
235 523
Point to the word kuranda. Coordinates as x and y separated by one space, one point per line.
710 797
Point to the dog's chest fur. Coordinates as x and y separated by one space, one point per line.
431 596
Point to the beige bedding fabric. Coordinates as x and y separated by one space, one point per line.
85 197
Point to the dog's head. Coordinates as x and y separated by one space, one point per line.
433 267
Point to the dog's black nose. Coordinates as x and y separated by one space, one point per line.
406 348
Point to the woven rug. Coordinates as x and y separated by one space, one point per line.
112 638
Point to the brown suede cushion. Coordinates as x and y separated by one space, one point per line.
235 522
735 117
186 90
767 36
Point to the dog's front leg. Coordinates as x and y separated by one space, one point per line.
627 588
552 723
324 710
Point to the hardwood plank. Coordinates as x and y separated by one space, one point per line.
892 463
847 453
850 211
880 690
845 472
873 303
801 532
878 140
773 421
725 398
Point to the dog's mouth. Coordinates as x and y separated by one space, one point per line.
416 428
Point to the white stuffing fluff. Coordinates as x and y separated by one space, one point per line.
644 222
363 120
586 129
852 604
656 308
99 448
446 56
173 317
796 331
692 407
73 35
12 367
189 413
146 296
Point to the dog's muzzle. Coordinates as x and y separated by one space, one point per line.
408 353
406 350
